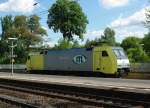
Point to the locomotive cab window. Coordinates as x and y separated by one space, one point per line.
41 52
28 57
104 54
45 52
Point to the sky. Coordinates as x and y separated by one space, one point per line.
126 17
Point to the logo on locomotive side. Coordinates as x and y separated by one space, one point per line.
79 59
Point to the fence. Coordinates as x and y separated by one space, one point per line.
140 67
135 67
16 66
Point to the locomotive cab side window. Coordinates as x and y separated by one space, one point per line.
28 57
45 52
104 54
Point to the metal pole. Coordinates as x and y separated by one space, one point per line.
12 50
12 54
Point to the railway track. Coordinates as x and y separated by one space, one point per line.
16 101
107 98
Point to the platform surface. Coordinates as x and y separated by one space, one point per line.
128 84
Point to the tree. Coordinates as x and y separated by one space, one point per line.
109 36
146 43
137 55
131 42
22 27
147 22
28 31
4 55
63 44
20 22
21 52
34 25
66 16
76 44
7 26
133 47
92 43
146 39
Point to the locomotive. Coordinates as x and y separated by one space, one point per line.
101 60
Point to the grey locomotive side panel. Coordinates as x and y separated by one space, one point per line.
69 60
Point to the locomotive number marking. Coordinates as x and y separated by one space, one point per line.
79 59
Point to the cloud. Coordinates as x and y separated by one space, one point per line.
132 25
24 6
123 32
48 42
113 3
135 19
91 35
124 27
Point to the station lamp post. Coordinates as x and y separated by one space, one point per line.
12 53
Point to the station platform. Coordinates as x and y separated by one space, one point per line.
132 85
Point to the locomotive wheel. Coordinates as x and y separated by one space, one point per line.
122 73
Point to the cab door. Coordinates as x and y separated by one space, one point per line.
106 63
96 62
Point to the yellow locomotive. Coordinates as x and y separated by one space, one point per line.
104 60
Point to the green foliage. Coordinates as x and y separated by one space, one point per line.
20 22
146 39
118 44
109 36
131 42
137 55
28 31
33 23
62 44
66 16
7 26
135 52
92 43
147 23
4 49
146 43
35 27
23 27
75 44
65 44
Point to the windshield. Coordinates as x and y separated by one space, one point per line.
119 53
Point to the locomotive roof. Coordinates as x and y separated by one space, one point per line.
66 50
72 49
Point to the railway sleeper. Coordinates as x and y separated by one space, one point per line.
45 90
16 101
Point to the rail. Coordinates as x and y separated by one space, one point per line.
91 96
16 101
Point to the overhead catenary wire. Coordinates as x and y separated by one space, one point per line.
41 12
